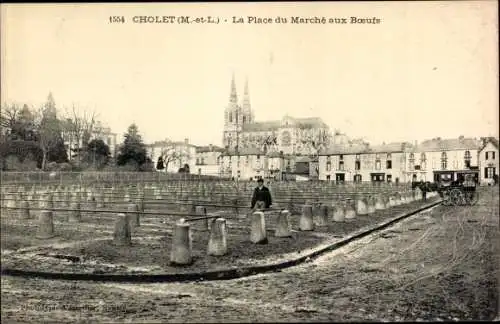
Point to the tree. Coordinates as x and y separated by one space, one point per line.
50 132
78 128
173 152
159 164
97 153
133 150
9 116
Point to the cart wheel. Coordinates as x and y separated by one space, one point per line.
472 197
446 198
457 197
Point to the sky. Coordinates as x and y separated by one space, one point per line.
428 69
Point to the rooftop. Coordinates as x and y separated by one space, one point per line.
166 143
487 140
365 148
451 144
208 148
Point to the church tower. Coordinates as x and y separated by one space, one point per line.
235 116
247 109
232 113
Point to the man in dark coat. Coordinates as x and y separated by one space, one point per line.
261 196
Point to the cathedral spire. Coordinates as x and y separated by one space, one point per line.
246 97
233 97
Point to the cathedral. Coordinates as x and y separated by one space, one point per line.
289 136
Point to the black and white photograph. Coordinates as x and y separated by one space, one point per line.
249 162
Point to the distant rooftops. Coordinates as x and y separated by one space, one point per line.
438 144
209 148
366 148
435 144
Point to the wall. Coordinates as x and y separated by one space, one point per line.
455 161
490 162
367 166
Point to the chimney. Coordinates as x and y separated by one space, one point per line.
186 141
211 147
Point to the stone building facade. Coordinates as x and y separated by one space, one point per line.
437 158
488 161
431 160
208 160
358 162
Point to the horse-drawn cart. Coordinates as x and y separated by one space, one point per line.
459 193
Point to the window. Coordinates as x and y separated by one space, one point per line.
341 165
357 157
328 178
444 161
244 119
230 117
197 161
357 165
490 155
341 157
388 163
412 161
377 162
202 161
489 172
467 159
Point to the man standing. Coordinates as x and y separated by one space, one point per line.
261 196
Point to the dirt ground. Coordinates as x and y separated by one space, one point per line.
93 251
436 266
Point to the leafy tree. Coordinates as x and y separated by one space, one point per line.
25 151
97 153
133 150
49 131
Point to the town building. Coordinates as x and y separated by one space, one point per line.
431 160
444 159
208 160
358 162
488 161
74 141
174 155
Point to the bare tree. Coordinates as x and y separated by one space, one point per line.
173 152
79 126
8 117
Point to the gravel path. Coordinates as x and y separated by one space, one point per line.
441 265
